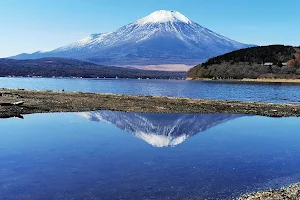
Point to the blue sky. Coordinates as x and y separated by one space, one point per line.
32 25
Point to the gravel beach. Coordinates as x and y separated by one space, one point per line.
15 102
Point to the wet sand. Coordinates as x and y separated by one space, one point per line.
30 101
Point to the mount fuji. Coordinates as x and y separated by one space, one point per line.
160 130
163 37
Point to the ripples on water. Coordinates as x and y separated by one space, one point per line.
115 155
261 92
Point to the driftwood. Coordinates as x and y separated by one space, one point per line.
19 103
3 93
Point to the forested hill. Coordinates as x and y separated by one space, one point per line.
271 54
63 67
274 61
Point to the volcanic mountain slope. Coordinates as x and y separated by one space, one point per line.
160 130
163 37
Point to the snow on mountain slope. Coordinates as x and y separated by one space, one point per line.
163 37
163 16
160 130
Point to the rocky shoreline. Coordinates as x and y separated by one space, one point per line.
291 192
15 102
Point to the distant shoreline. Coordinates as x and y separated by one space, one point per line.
259 80
16 102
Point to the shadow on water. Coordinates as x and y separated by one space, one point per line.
160 130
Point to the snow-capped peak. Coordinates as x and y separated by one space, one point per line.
163 37
167 130
163 16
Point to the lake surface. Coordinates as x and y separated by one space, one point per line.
260 92
115 155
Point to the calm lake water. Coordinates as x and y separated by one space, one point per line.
260 92
115 155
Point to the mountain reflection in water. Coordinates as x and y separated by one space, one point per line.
160 130
65 156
